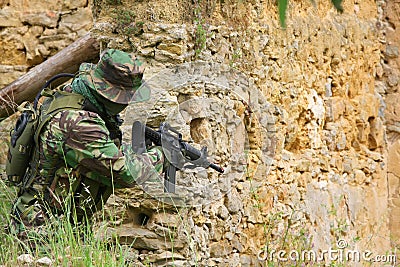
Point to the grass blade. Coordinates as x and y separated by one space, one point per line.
282 7
338 5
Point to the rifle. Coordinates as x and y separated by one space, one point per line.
178 153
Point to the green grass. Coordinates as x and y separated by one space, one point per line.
67 244
64 243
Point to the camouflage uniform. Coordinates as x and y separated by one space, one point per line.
76 154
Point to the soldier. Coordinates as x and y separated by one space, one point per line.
78 152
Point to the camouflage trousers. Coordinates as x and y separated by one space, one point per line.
80 197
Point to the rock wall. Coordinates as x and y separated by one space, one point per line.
31 31
297 117
388 83
321 114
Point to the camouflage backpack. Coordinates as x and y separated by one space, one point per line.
22 136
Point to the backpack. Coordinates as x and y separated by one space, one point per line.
22 138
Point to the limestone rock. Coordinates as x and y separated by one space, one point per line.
220 249
25 259
9 18
81 19
45 261
47 19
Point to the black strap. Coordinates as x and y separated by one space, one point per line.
52 79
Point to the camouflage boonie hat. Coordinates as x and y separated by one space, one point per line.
117 77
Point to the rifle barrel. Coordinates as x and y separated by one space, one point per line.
217 168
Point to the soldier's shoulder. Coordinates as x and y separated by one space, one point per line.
78 116
80 113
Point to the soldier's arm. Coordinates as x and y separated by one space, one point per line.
94 154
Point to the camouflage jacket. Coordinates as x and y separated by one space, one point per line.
75 146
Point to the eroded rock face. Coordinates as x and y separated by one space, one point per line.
388 82
32 31
299 124
323 119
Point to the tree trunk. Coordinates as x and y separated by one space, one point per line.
26 87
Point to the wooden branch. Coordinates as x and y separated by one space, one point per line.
26 87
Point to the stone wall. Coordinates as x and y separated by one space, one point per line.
31 31
321 114
299 123
388 83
